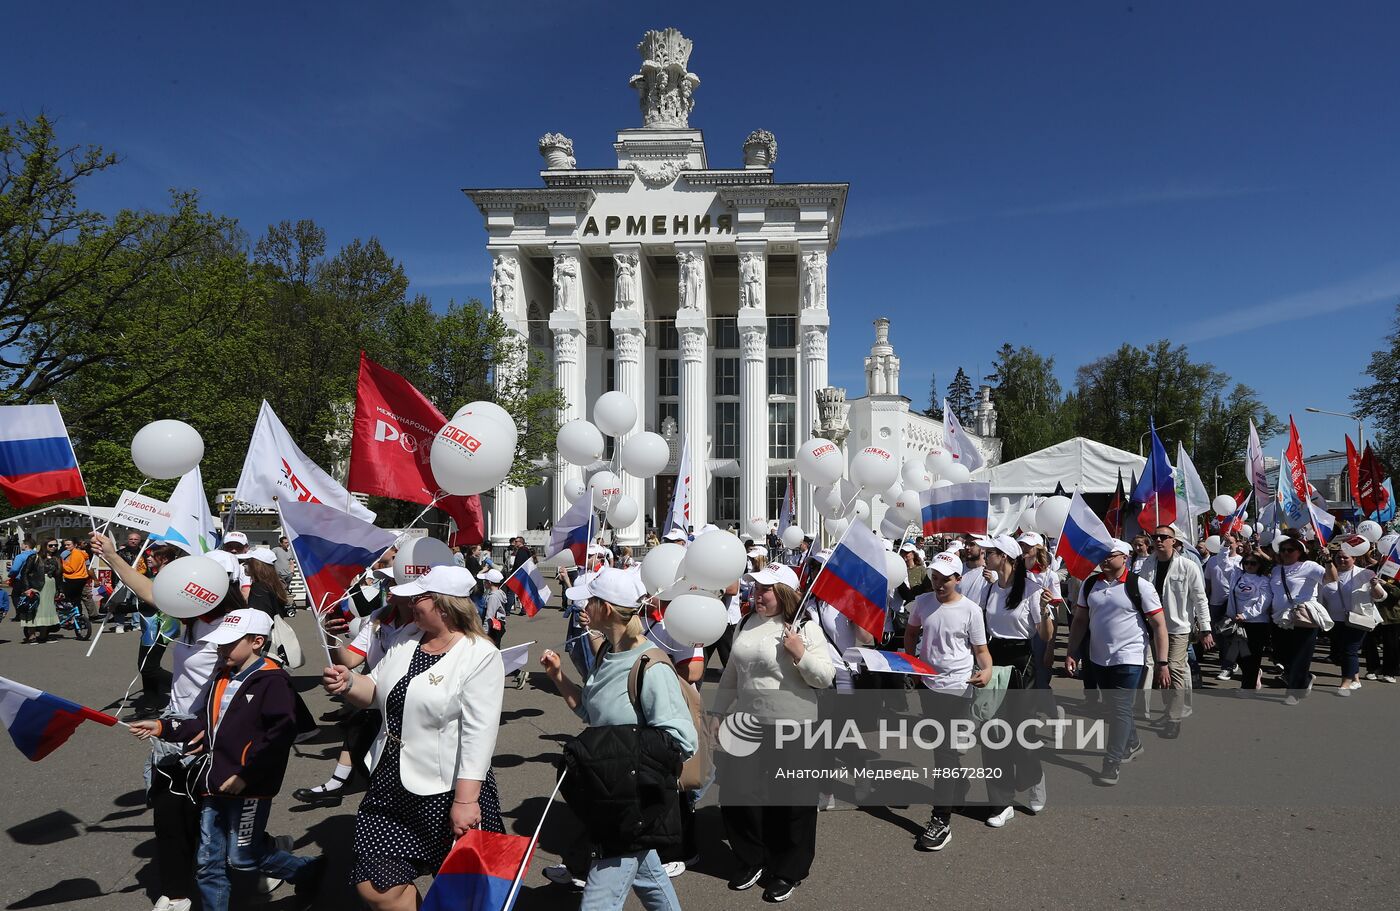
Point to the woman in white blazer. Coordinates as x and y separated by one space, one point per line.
440 693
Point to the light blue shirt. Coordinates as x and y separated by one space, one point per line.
605 700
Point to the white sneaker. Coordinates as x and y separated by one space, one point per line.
1223 675
674 868
1035 800
1354 685
1370 676
826 802
560 876
1386 678
1290 700
269 884
1343 691
1002 818
165 903
118 630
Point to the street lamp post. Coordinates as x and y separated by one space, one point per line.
1360 444
1217 474
1143 437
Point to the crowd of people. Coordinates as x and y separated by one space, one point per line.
416 665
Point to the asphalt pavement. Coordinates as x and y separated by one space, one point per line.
77 831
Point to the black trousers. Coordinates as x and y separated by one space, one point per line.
781 840
1258 636
1383 650
1294 649
1020 767
176 823
154 678
722 645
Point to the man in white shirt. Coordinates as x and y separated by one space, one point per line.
972 585
1219 567
1182 590
946 630
1118 625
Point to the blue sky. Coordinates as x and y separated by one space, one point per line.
1064 175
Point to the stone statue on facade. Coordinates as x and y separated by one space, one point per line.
692 279
565 281
665 89
503 284
750 280
814 280
625 281
832 413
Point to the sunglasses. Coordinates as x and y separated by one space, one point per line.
1163 538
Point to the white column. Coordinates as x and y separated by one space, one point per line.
629 336
508 514
570 356
753 381
696 408
813 322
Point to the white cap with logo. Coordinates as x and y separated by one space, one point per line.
774 574
946 564
237 624
440 580
615 586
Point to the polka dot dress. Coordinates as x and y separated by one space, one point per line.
399 835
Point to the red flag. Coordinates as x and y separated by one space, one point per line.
1370 475
1354 471
1296 467
1113 519
393 436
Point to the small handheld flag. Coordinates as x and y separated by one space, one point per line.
889 662
41 722
527 582
332 547
1155 491
1084 542
479 873
572 531
959 509
853 579
516 657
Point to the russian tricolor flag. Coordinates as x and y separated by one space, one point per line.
1155 491
37 464
479 873
956 509
41 722
1084 541
332 547
572 531
853 579
889 662
528 584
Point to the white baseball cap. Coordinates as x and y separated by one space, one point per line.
758 552
615 586
775 574
946 564
908 547
237 624
440 580
493 576
1121 547
1031 538
1006 544
261 554
235 537
674 534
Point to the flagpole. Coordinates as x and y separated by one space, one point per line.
120 586
79 465
808 593
530 848
108 524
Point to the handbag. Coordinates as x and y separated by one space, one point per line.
285 638
1298 616
1359 616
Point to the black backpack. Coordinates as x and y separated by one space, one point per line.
1134 593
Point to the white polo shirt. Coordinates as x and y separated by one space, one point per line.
1117 629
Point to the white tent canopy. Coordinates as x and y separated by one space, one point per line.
1093 467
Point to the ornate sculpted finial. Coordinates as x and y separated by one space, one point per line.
832 411
558 152
666 90
760 149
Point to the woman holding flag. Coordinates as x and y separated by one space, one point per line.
1294 583
1345 589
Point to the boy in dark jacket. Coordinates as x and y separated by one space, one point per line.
244 725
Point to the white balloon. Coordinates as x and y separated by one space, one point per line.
892 527
837 527
490 410
874 468
1050 516
938 461
757 528
907 508
579 442
573 489
715 561
896 570
1212 543
1224 505
623 511
820 462
471 454
1246 531
190 587
166 449
1386 543
661 566
792 537
916 477
1370 530
860 510
645 454
892 493
605 487
695 618
956 474
1027 520
831 506
418 555
615 413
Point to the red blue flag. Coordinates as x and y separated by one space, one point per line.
37 464
528 584
1155 491
479 873
1084 542
889 662
957 509
41 722
853 579
332 547
572 531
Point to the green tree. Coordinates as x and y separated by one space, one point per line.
1030 410
1376 400
935 401
961 398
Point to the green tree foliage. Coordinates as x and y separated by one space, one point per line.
961 399
1377 400
1030 411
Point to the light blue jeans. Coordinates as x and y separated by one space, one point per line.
233 837
610 877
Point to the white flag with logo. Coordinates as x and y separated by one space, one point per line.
276 467
680 500
191 524
962 449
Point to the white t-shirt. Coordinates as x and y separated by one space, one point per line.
731 609
1350 589
972 584
947 634
840 635
1251 595
1292 585
1017 621
1117 629
374 639
1218 570
192 663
